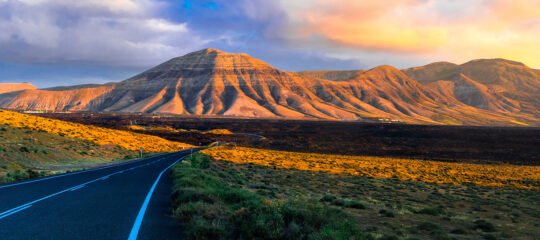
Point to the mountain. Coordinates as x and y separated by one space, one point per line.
332 74
211 82
77 99
13 87
492 84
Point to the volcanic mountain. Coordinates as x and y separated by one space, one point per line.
13 87
493 84
215 83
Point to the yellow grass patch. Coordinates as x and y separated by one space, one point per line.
219 132
385 167
98 135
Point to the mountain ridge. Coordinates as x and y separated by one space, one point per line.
211 82
514 85
14 87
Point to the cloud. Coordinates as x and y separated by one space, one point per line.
419 29
293 35
114 32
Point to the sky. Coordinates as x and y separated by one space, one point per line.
66 42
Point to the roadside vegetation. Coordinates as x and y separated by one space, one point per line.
230 199
28 154
214 204
32 146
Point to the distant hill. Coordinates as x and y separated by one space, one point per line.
211 82
13 87
332 74
493 84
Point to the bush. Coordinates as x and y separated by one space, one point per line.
387 213
489 237
428 226
484 226
199 160
24 149
460 231
355 204
33 174
339 202
328 198
432 211
342 202
16 176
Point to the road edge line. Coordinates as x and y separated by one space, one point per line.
140 216
6 213
8 185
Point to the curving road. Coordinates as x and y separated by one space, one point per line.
124 201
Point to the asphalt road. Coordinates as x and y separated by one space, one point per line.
124 201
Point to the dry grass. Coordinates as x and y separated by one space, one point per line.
97 135
219 132
381 208
386 168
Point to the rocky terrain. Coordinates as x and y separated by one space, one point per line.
215 83
13 87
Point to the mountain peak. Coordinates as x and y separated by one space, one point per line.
214 59
214 52
206 61
495 61
210 51
13 87
385 69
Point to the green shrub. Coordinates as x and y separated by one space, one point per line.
432 211
33 174
343 202
24 149
484 226
387 213
16 175
328 198
460 231
339 202
355 204
199 160
489 237
428 226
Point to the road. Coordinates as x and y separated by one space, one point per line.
124 201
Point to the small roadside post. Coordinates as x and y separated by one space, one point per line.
141 152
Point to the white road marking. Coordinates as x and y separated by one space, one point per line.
78 187
29 204
74 173
13 211
140 216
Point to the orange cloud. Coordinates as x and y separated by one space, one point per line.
456 30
